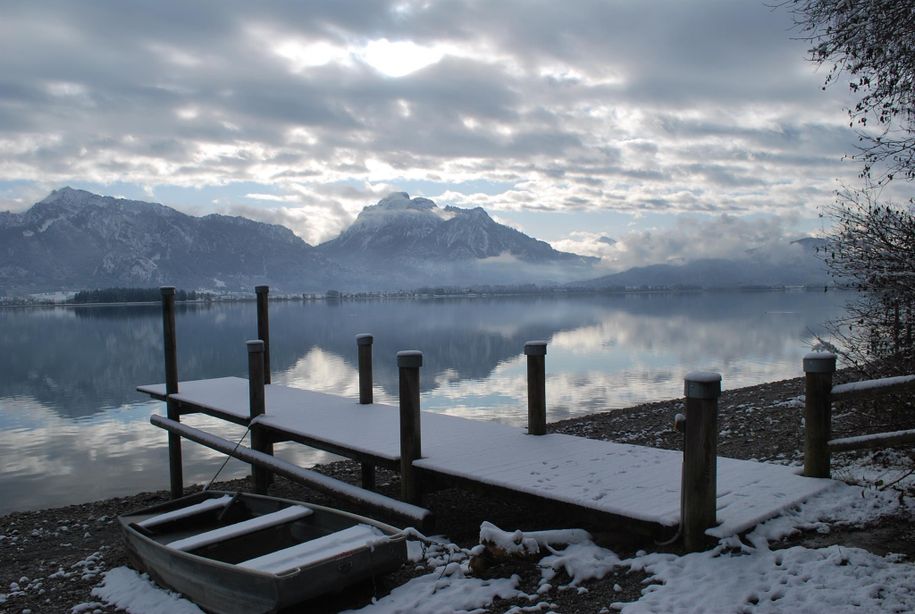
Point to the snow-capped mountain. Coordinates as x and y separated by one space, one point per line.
74 240
414 238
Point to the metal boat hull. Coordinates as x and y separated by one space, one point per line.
224 587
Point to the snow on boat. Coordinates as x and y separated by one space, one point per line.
236 552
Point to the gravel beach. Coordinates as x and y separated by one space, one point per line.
51 559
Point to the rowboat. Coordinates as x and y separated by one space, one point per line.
245 553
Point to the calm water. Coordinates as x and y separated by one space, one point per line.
73 429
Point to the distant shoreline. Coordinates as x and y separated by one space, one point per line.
20 302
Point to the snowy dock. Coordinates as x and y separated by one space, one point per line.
622 486
626 483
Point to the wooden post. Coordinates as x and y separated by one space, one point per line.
364 348
364 344
536 387
263 327
408 363
256 407
819 368
170 345
700 458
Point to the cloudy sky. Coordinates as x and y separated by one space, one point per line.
677 128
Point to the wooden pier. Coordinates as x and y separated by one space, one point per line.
643 489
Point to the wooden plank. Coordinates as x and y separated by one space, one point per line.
245 527
318 481
877 440
873 387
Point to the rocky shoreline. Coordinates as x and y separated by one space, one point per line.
51 559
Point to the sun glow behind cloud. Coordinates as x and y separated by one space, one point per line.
603 109
399 58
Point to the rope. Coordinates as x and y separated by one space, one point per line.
228 456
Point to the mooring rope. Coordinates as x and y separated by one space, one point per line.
228 456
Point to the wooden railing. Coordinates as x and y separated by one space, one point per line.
819 368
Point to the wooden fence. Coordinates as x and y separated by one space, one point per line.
819 368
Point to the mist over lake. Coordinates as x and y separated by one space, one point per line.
73 429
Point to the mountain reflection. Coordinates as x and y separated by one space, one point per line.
81 361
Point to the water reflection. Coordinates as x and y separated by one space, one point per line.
72 428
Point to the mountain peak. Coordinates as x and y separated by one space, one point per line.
477 213
401 200
68 195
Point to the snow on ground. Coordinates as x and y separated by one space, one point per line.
126 589
738 575
448 587
797 579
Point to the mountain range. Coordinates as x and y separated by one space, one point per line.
74 240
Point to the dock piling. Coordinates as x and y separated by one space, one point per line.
170 346
819 368
536 387
700 458
257 405
263 326
364 343
364 347
408 363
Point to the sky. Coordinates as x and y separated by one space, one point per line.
677 129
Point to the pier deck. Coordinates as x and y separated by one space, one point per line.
621 481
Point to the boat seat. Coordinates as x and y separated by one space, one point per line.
287 514
191 510
316 550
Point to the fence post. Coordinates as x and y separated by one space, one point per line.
263 326
819 368
364 347
408 363
536 387
700 458
170 345
257 407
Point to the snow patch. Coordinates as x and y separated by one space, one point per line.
128 590
797 579
445 591
581 561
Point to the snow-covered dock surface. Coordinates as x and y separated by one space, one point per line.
625 480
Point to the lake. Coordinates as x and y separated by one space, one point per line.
73 429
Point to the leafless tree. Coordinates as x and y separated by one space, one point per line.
872 249
871 245
872 43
